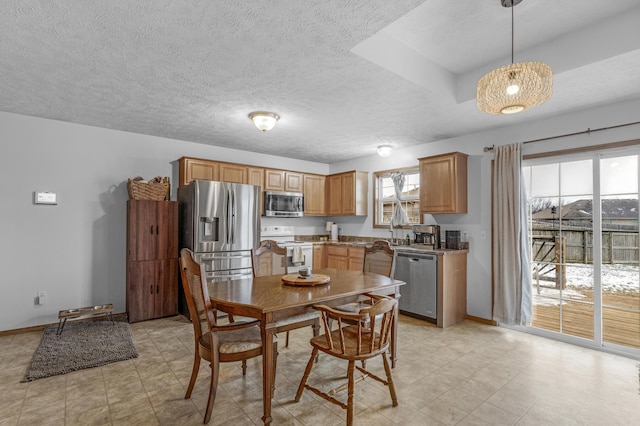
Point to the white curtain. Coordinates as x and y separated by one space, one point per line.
512 272
399 216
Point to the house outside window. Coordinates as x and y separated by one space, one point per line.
385 197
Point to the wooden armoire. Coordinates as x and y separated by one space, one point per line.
152 259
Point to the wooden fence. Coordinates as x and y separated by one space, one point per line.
552 249
618 245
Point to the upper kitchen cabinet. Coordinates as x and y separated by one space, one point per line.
196 168
255 176
281 180
346 194
443 183
314 195
233 173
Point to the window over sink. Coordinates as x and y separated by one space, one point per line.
385 196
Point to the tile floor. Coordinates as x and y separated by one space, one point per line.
468 374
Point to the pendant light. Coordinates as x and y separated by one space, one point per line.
516 87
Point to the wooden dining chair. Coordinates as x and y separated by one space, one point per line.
214 343
368 338
379 258
271 259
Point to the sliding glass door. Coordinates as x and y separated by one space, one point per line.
619 241
583 229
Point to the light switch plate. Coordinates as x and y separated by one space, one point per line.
45 198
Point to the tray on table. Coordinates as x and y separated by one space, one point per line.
311 280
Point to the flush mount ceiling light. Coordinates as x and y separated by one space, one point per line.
516 87
384 150
264 120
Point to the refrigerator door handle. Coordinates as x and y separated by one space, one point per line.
228 218
233 217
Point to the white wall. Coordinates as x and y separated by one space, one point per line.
76 250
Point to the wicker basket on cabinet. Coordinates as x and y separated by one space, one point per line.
156 189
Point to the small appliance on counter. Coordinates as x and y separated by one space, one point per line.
453 240
428 235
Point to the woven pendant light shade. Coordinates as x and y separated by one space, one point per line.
515 87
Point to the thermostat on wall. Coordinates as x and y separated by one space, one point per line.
45 198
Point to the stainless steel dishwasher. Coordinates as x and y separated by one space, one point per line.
419 297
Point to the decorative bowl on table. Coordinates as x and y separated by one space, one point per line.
304 271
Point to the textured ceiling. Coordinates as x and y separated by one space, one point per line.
345 76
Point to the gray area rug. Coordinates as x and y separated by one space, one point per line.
82 344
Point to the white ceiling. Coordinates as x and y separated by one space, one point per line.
344 75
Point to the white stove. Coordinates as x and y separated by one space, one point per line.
299 253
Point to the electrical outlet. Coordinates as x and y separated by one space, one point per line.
42 297
483 235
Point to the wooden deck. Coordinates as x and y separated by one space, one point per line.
620 324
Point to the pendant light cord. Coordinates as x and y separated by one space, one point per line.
512 30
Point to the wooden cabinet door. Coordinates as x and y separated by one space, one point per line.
334 195
319 256
166 288
348 194
255 176
337 257
166 229
142 230
140 290
293 182
273 180
234 173
195 168
443 183
314 195
337 262
356 258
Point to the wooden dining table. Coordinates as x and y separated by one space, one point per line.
268 299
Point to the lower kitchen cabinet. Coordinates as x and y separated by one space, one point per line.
452 288
319 256
152 290
345 257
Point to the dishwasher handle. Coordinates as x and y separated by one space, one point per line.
416 257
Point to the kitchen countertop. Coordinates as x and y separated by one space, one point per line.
411 248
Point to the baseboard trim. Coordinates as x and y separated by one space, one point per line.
42 326
482 320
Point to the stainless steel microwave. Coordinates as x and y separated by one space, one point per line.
283 204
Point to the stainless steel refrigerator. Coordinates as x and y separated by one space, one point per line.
220 223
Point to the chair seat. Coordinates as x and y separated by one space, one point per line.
350 307
307 316
350 341
235 341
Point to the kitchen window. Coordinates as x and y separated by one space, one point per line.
385 197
